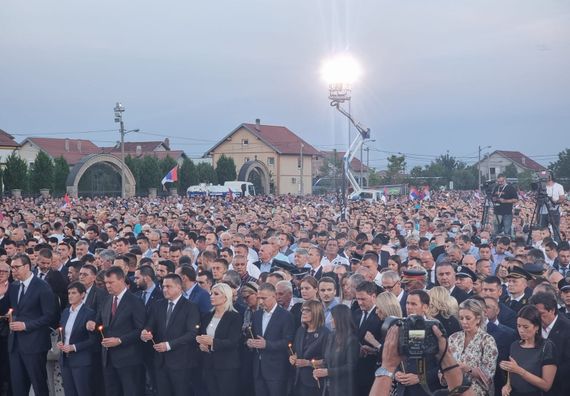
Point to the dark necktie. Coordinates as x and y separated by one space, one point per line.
41 275
364 317
564 271
21 292
143 296
114 306
169 312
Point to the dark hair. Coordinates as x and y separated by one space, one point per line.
371 256
188 271
367 287
546 299
311 280
77 286
175 278
267 286
208 275
422 294
147 270
169 264
493 279
222 261
328 279
91 268
115 270
530 313
24 258
344 327
46 253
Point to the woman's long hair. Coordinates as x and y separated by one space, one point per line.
441 302
530 313
343 325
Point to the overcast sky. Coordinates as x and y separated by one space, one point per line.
438 75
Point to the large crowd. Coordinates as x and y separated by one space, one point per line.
282 295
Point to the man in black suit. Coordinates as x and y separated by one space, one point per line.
492 287
172 325
55 279
366 321
192 291
564 288
273 330
34 309
391 282
519 294
314 257
556 328
445 273
122 317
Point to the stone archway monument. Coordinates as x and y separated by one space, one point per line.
257 173
72 183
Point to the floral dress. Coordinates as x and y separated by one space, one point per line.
480 352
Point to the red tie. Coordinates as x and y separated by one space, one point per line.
114 306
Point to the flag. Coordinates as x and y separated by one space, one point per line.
171 176
67 200
413 193
230 194
426 194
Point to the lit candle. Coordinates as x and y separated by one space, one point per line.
151 337
9 315
314 364
291 349
250 332
100 328
60 331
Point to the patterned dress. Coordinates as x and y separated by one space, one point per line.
480 352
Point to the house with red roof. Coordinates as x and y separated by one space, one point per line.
269 156
496 163
7 145
156 148
73 150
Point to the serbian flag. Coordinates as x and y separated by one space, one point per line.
413 193
171 176
426 194
230 194
67 200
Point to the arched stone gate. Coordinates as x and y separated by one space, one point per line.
254 171
86 162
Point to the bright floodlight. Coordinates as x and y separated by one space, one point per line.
340 72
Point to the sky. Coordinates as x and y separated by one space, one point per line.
438 75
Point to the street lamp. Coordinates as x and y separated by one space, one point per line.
479 163
119 110
340 73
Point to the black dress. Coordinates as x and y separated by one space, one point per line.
340 361
309 345
451 324
532 360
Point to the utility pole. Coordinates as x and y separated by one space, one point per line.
479 168
119 110
301 170
368 165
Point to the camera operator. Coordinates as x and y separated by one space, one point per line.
555 194
504 196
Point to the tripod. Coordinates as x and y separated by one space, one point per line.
487 203
542 200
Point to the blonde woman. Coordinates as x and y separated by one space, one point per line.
221 333
386 305
444 308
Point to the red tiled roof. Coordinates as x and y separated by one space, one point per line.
7 140
174 154
521 160
355 164
146 147
77 148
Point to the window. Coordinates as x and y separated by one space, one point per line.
492 171
271 161
293 180
245 142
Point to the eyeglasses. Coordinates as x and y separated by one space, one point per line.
389 288
17 267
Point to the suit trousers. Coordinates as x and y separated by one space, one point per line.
76 381
124 381
172 382
222 382
269 388
28 369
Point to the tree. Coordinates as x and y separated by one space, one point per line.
225 169
166 165
42 175
15 173
150 173
525 178
511 171
187 175
396 168
561 167
206 173
60 172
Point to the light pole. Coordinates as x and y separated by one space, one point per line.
301 171
479 163
119 110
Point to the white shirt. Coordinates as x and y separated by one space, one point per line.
120 296
546 331
266 318
174 306
70 322
87 293
26 284
338 260
368 313
400 296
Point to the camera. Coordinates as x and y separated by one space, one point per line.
539 183
488 187
417 338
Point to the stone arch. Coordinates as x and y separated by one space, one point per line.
255 170
72 183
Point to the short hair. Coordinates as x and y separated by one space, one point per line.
328 279
391 275
175 278
77 265
80 287
147 270
222 261
24 258
422 294
318 249
208 275
268 287
286 284
356 279
45 253
107 255
169 264
233 277
189 272
493 279
546 299
368 288
91 268
115 270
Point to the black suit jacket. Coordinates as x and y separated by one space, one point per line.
225 351
58 284
38 311
273 362
156 295
560 336
504 336
96 298
180 333
459 295
366 365
82 339
315 350
507 316
127 324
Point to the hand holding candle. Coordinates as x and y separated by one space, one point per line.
60 333
314 364
100 328
291 349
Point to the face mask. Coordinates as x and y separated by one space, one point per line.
484 241
454 229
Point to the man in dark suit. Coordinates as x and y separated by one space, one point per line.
555 328
518 293
76 343
267 258
172 325
122 317
491 287
445 273
273 330
314 257
55 279
192 291
34 308
366 321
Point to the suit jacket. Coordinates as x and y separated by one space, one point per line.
403 302
560 336
96 298
315 350
273 362
225 351
507 316
367 365
4 307
156 295
459 295
201 298
82 339
180 333
38 311
58 284
127 324
517 305
451 324
504 336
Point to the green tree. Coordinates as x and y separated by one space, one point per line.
15 173
60 172
150 173
206 173
42 172
525 178
561 168
374 178
225 169
187 175
511 171
396 168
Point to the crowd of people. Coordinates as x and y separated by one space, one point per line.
281 295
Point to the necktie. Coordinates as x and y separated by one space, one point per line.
169 312
21 291
429 275
143 296
41 275
114 306
364 317
313 273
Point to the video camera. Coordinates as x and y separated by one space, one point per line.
539 183
417 338
488 187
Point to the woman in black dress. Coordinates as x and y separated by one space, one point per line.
341 355
531 366
309 346
309 291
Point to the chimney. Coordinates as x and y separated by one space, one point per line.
79 145
67 145
167 143
524 160
258 124
138 150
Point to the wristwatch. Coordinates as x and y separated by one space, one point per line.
382 372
